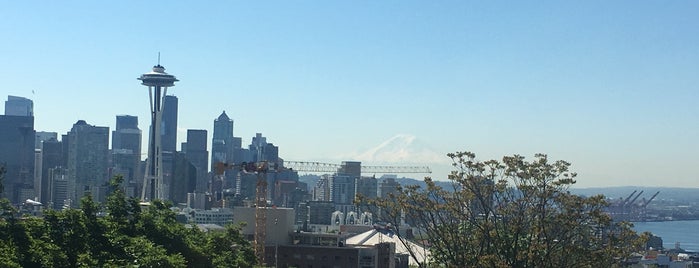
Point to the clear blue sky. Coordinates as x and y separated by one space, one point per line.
611 86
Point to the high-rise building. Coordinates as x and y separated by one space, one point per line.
42 136
367 186
319 212
126 149
51 158
342 189
88 151
17 154
19 106
350 168
184 178
321 191
222 142
388 185
60 189
198 155
169 125
260 150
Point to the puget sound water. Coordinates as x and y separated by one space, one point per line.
686 233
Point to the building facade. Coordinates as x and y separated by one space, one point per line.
197 154
19 106
126 150
17 143
169 124
88 151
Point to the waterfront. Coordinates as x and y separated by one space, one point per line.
684 232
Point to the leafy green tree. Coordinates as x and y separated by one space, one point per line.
509 213
116 234
230 249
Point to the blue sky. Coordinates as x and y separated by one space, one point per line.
610 86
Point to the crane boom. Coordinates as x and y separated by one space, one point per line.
331 168
651 199
628 198
633 201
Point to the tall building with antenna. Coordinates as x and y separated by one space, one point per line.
157 82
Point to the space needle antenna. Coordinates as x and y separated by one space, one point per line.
158 57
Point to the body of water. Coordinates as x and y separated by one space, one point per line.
686 233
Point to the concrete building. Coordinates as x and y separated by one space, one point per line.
88 150
220 216
321 191
17 143
58 183
342 189
319 212
279 224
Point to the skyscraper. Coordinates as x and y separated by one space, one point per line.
126 149
17 153
51 158
88 149
19 106
183 179
169 125
42 136
198 155
222 142
367 186
260 150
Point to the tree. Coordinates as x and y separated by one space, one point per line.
115 234
509 213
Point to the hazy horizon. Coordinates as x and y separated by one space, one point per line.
609 86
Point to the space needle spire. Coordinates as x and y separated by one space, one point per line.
157 82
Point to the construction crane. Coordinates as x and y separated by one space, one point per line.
628 198
262 167
331 168
645 204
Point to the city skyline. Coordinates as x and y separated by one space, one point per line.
609 87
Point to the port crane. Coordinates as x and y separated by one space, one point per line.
261 168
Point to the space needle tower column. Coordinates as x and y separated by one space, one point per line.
157 82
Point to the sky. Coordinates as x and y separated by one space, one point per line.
610 86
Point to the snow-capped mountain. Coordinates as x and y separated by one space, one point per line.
402 148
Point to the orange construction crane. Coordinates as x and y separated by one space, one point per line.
259 168
262 167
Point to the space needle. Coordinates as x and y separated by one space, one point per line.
157 82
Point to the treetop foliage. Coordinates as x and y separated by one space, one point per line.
508 213
128 236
